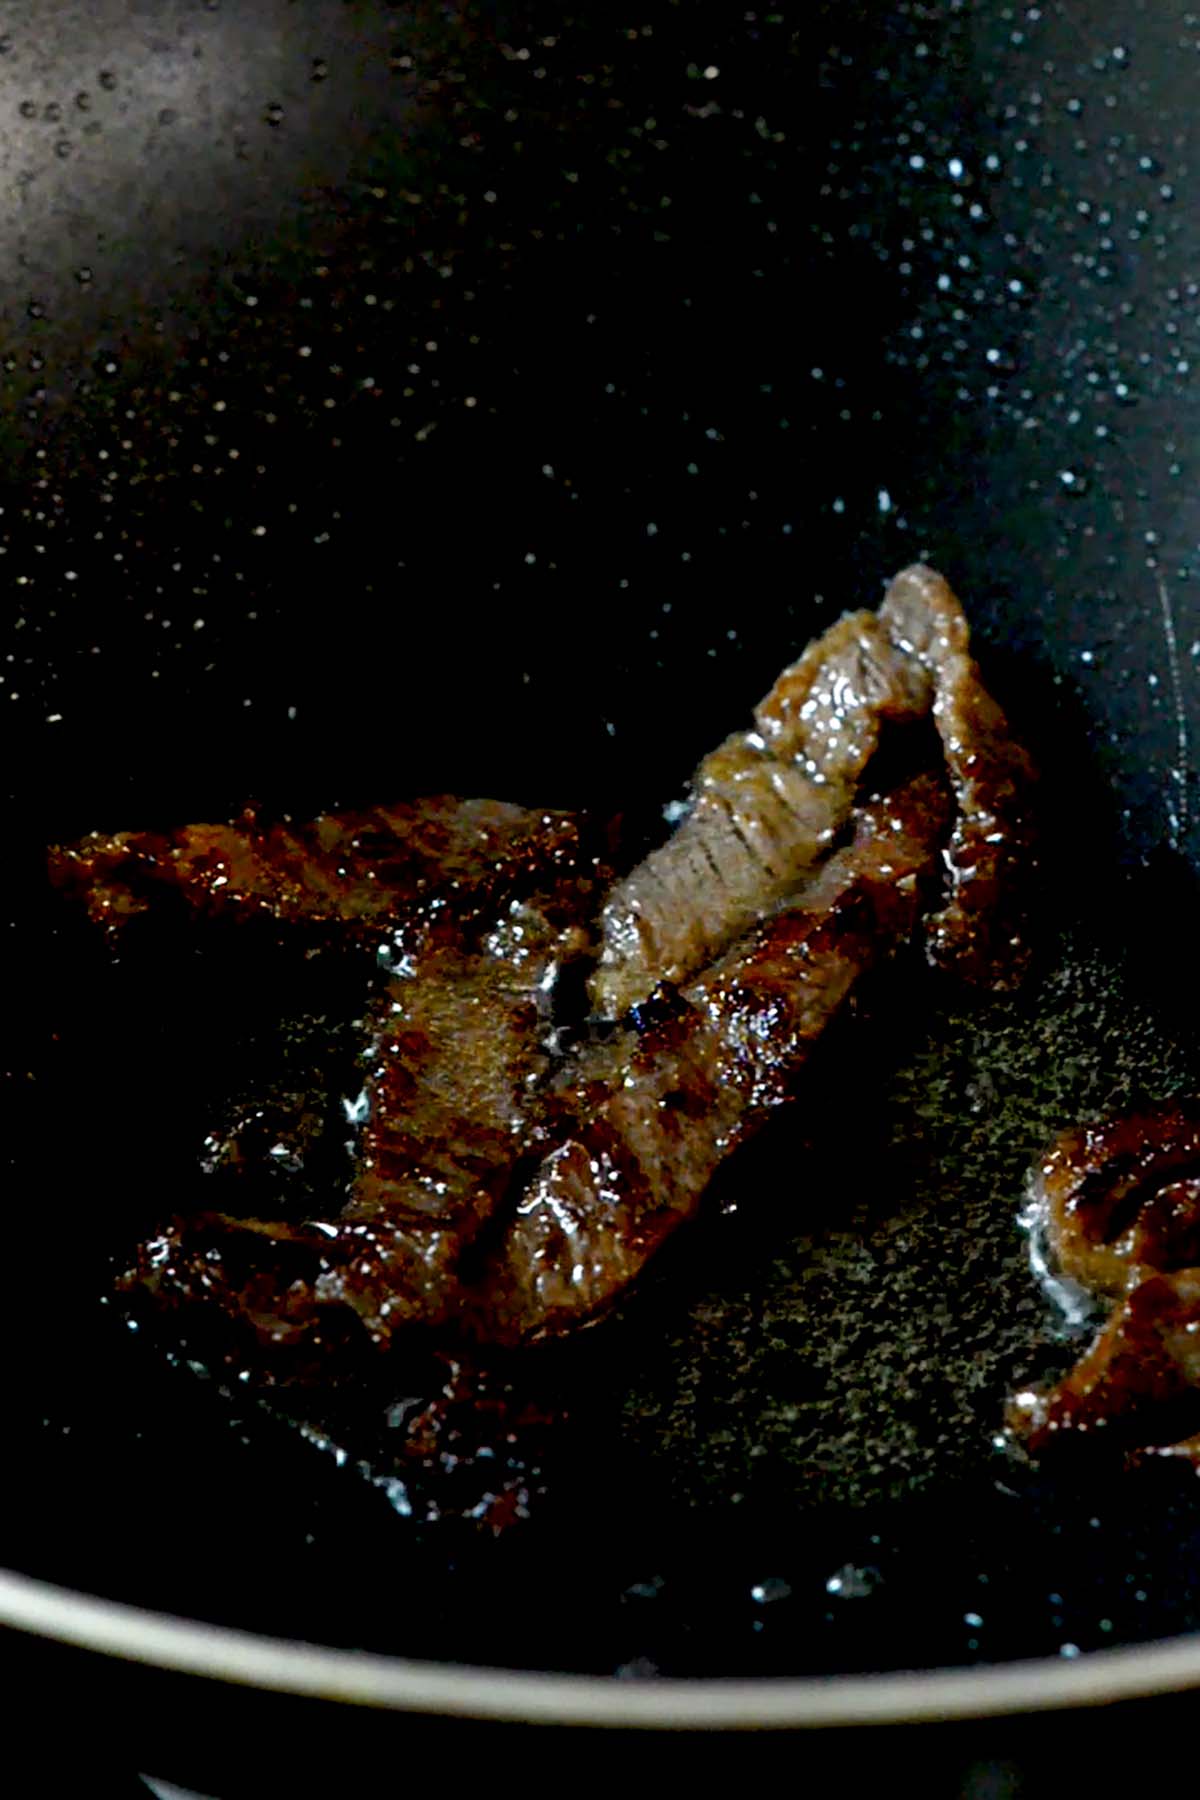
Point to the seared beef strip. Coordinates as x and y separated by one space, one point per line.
458 1049
367 868
981 931
766 808
1118 1205
654 1114
768 804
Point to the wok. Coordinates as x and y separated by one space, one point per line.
490 399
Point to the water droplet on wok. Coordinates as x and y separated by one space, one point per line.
763 1593
853 1583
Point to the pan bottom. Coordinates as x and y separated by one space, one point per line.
781 1457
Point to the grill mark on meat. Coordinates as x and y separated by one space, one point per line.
769 849
706 850
655 1114
1119 1206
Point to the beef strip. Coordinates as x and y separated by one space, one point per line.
458 1047
360 868
982 930
766 807
1119 1207
769 803
653 1114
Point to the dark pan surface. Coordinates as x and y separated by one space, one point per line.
413 398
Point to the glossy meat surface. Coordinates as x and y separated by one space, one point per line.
361 868
457 1048
769 803
1119 1205
766 808
982 930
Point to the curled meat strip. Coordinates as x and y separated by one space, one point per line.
1119 1204
982 930
766 807
768 804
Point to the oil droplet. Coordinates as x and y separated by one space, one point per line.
773 1588
852 1583
273 114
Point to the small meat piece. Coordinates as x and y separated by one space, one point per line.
1119 1206
349 869
769 803
1116 1198
982 931
654 1114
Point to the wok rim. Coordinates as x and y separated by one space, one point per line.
177 1645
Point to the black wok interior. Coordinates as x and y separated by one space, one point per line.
491 399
